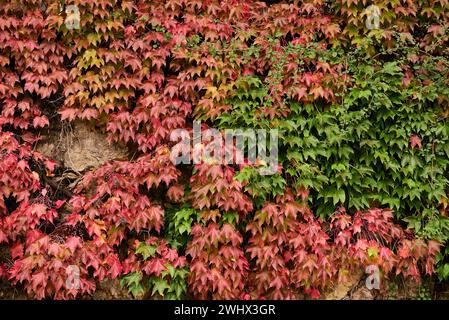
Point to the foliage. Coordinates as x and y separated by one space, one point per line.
154 265
363 130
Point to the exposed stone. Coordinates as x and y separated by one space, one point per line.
111 290
362 293
343 289
80 146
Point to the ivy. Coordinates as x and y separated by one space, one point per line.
363 145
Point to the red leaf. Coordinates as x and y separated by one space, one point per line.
73 243
154 266
415 141
40 122
68 114
116 267
38 280
17 250
59 204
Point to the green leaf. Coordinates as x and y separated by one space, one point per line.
146 251
159 286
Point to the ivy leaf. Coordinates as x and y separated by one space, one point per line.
146 251
159 286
